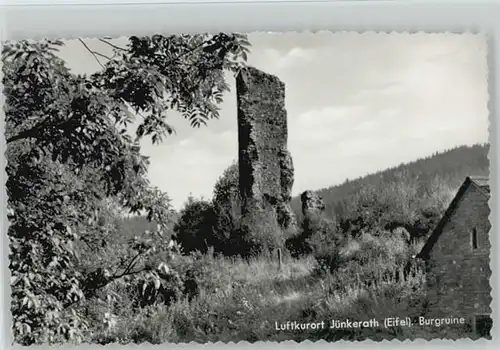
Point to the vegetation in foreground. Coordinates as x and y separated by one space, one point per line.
244 300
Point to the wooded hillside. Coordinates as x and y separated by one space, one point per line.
438 175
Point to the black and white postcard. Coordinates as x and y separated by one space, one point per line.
248 187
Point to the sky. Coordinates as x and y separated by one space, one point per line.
356 104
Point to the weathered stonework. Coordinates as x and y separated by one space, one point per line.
312 203
458 270
286 166
265 165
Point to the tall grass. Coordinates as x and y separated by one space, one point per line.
242 299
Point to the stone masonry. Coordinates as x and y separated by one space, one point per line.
458 273
312 203
265 165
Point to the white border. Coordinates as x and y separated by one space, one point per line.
77 18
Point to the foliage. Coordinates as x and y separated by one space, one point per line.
69 149
412 195
390 250
218 224
227 208
258 233
318 233
193 230
396 200
242 299
233 234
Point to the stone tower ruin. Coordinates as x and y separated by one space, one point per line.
265 165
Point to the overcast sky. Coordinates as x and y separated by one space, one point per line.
357 103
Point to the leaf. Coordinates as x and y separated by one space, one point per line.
157 283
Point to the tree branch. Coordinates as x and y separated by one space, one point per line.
113 45
97 280
32 132
102 55
172 60
129 267
91 292
189 52
91 52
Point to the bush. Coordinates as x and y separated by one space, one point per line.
372 256
318 234
227 208
193 231
402 201
259 234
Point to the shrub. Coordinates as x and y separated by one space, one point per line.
381 254
318 234
259 234
227 208
193 231
400 201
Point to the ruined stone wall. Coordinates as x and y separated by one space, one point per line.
312 203
265 165
458 276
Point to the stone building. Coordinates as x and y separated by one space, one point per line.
457 256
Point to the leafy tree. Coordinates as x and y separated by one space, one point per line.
69 149
215 224
227 207
193 231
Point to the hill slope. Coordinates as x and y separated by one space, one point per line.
430 181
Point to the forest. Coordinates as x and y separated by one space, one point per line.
440 172
98 255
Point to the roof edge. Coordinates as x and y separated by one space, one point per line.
424 252
479 177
